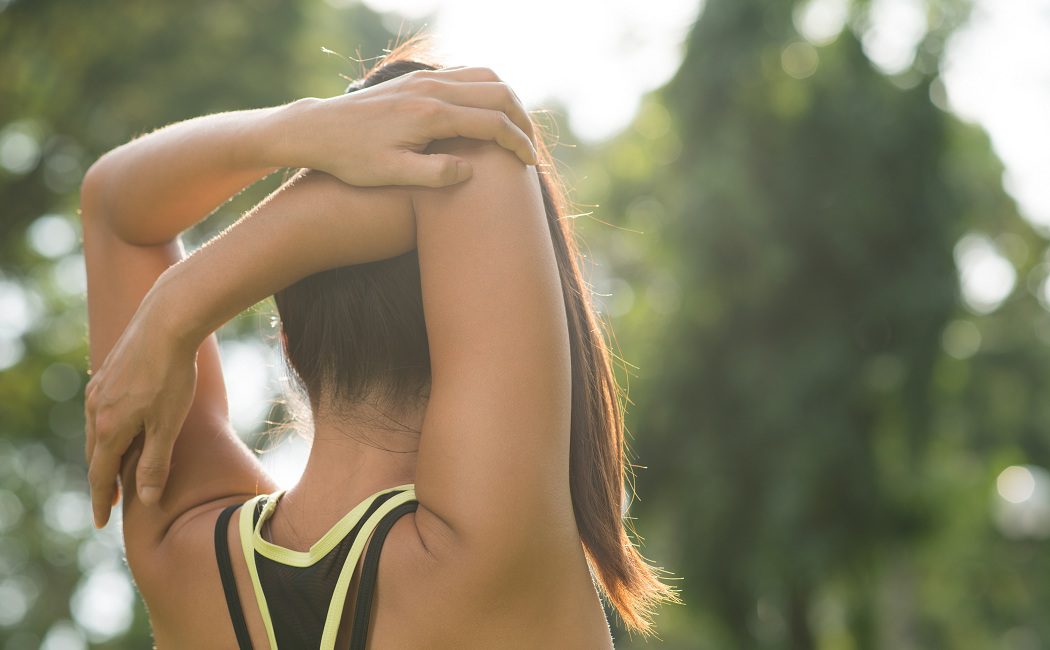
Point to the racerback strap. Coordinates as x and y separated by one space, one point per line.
369 572
229 585
365 590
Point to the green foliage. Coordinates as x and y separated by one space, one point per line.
817 468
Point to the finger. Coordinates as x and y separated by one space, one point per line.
89 452
152 472
466 73
493 95
111 440
483 75
89 420
484 124
433 170
89 433
102 477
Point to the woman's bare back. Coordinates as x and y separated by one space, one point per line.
419 601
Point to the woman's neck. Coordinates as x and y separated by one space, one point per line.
351 458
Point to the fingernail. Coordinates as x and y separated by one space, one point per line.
149 495
463 170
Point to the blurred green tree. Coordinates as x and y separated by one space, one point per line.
783 282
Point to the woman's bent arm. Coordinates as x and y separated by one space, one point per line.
493 459
156 186
306 226
373 137
311 224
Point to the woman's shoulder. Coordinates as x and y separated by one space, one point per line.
184 586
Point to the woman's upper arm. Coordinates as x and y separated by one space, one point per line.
209 461
493 456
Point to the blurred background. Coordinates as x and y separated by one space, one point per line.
818 230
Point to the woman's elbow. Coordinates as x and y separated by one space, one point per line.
93 191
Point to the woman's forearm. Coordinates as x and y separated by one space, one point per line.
156 186
311 224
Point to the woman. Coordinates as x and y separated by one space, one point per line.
424 276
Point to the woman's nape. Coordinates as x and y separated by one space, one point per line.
358 448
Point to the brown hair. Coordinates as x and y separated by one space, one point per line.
358 329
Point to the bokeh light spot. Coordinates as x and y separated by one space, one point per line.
1015 484
70 275
961 339
248 382
14 602
60 382
16 311
63 635
986 277
19 147
11 352
11 510
52 235
102 604
821 21
1022 509
68 512
895 29
799 59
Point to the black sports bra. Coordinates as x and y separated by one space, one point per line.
302 595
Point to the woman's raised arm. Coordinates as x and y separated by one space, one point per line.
312 223
493 463
136 200
156 186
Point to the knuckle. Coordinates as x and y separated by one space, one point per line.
504 122
105 423
448 172
488 73
415 76
508 94
91 397
105 443
428 108
153 468
427 85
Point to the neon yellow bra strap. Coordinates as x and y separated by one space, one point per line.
251 540
247 531
328 541
335 610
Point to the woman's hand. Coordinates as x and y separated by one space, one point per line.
146 384
377 135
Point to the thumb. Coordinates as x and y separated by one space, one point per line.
152 471
435 170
